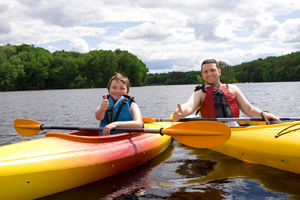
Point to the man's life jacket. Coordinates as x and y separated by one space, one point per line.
218 102
118 111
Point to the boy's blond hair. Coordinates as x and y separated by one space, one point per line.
119 77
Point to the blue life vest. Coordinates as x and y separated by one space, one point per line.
119 111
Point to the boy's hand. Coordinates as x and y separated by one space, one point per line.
108 128
104 103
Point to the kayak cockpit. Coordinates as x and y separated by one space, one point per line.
91 136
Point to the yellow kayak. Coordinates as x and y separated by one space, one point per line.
275 145
61 161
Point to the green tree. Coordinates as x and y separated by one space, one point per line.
200 79
64 70
9 74
99 67
257 75
79 82
191 77
227 73
281 74
9 50
295 73
129 65
3 57
240 76
36 62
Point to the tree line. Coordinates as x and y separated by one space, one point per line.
271 69
26 67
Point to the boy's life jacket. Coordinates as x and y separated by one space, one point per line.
218 102
118 111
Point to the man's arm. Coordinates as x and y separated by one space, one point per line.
247 108
190 106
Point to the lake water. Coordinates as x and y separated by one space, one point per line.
180 172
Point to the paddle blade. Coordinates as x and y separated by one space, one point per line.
199 134
26 127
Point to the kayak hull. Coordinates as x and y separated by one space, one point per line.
258 145
63 161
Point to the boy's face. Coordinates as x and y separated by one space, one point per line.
117 89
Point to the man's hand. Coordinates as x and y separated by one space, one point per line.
177 114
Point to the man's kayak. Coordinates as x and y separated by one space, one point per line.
61 161
275 145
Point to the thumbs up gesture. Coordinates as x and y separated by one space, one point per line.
104 103
177 114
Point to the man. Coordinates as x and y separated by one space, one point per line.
215 99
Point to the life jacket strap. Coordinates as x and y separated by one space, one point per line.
120 108
222 108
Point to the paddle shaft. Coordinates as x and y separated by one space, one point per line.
42 127
213 119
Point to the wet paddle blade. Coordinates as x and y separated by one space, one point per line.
199 134
26 127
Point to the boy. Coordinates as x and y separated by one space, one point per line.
118 110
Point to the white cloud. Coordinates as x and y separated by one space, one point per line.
146 31
5 27
266 30
79 45
166 35
291 28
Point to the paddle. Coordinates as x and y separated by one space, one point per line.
194 134
147 120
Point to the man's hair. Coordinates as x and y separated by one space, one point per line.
207 61
119 77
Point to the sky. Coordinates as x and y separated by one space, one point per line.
167 35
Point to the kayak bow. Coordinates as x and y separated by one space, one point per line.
275 145
61 161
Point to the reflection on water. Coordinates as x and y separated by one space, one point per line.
179 173
245 179
195 168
